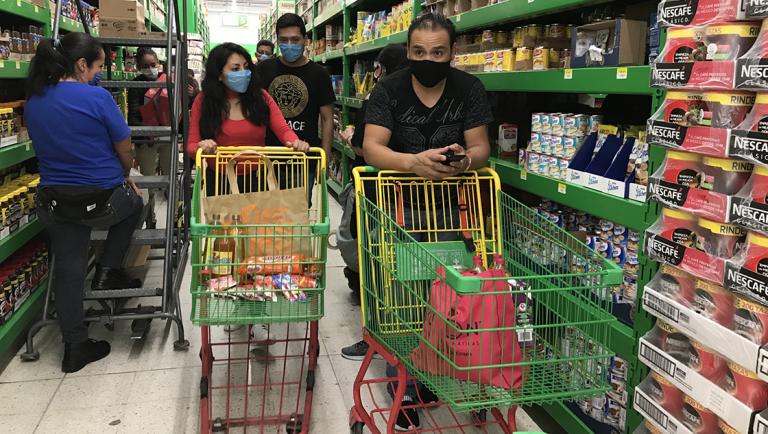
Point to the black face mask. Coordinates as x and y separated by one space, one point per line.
429 73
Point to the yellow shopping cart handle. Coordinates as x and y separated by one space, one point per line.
272 150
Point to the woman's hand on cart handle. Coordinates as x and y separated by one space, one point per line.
208 146
298 145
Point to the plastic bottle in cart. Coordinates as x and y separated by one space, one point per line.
222 250
238 252
498 262
477 264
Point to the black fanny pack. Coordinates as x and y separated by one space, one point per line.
75 202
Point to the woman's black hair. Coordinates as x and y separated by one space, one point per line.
56 60
144 51
215 106
393 57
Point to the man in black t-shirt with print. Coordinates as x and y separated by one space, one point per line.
301 87
414 117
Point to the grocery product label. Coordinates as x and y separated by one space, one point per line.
750 214
750 145
694 200
746 282
751 73
694 12
651 410
660 307
652 357
686 257
699 139
698 75
756 8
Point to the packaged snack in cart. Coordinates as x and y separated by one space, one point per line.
686 13
269 265
745 386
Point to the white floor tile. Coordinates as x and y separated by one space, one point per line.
171 416
21 423
29 397
78 393
48 345
88 420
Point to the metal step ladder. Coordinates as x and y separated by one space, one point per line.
174 238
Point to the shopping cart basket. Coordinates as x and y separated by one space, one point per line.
258 370
416 235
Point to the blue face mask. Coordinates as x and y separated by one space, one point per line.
96 79
292 52
263 57
238 81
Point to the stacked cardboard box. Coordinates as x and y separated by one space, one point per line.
121 19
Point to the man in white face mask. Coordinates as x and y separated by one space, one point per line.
149 153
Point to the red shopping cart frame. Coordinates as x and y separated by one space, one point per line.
265 382
380 418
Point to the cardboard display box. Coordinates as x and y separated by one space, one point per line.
613 43
126 10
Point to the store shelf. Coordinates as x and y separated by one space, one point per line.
329 55
335 186
377 44
13 69
566 418
513 10
344 149
623 80
12 331
26 10
349 102
157 24
13 242
625 212
15 154
70 25
330 13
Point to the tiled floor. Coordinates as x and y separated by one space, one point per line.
146 387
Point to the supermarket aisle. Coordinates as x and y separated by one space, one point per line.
146 387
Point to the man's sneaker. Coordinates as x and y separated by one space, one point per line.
356 351
353 279
426 396
407 418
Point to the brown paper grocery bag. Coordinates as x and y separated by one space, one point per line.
281 211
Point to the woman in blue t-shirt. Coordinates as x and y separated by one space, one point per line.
83 147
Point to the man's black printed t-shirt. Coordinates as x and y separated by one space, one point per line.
299 92
416 128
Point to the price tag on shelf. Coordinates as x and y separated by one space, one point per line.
27 146
18 3
323 59
2 64
561 188
621 73
567 74
530 1
523 174
493 165
37 9
18 65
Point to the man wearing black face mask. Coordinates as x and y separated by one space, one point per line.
417 114
414 117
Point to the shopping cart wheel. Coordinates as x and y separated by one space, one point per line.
479 417
218 426
294 424
357 428
30 357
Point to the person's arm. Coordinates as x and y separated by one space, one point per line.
118 131
478 147
124 152
326 123
193 139
478 116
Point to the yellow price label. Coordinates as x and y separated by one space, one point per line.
523 174
18 3
37 9
2 64
18 65
621 73
568 74
561 188
458 18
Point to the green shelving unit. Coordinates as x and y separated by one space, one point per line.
70 25
512 10
13 69
378 44
349 102
624 80
15 154
26 10
10 244
14 331
332 12
625 212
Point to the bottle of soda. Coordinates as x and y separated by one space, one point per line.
498 262
238 252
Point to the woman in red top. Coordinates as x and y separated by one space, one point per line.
233 108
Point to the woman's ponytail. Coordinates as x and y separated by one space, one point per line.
55 60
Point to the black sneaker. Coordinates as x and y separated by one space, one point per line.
113 278
407 418
76 356
426 396
353 280
356 351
